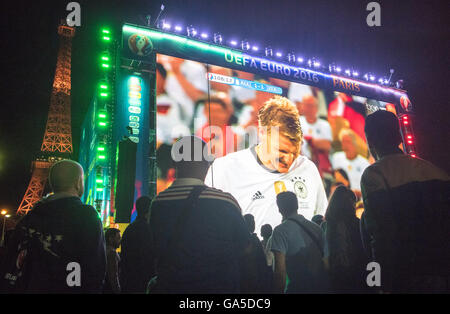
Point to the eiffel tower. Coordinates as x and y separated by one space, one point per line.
57 143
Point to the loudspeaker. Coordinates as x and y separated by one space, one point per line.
125 178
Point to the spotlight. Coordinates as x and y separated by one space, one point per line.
355 73
255 48
178 28
372 77
366 76
204 35
316 64
233 42
338 69
347 72
300 59
166 26
279 54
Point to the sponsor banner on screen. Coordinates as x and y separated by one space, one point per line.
244 83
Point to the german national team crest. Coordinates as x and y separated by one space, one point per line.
300 187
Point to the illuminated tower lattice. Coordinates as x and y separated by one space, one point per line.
57 143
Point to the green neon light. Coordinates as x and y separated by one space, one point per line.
105 65
100 149
105 31
104 94
101 157
99 180
102 115
99 189
105 58
104 86
180 39
106 38
102 123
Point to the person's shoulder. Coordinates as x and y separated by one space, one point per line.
306 164
322 122
363 160
339 155
371 178
220 196
431 169
311 225
302 119
89 212
282 228
370 171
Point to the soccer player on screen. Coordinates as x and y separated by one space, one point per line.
255 176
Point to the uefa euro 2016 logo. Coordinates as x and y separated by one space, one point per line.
140 44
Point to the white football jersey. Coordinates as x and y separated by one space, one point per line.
255 187
354 168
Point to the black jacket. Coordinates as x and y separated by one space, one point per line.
55 233
137 257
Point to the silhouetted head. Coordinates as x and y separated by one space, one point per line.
287 203
250 222
382 132
341 205
266 231
143 206
66 176
318 219
112 237
341 176
191 157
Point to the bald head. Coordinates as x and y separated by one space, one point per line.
67 176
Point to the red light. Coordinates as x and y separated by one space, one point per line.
405 122
409 137
410 142
405 117
413 155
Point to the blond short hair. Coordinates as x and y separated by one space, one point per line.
281 112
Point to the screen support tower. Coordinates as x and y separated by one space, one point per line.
57 142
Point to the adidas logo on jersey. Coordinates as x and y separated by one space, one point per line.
257 196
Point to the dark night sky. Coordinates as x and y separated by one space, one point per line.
413 39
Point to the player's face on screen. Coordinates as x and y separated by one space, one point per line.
281 151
